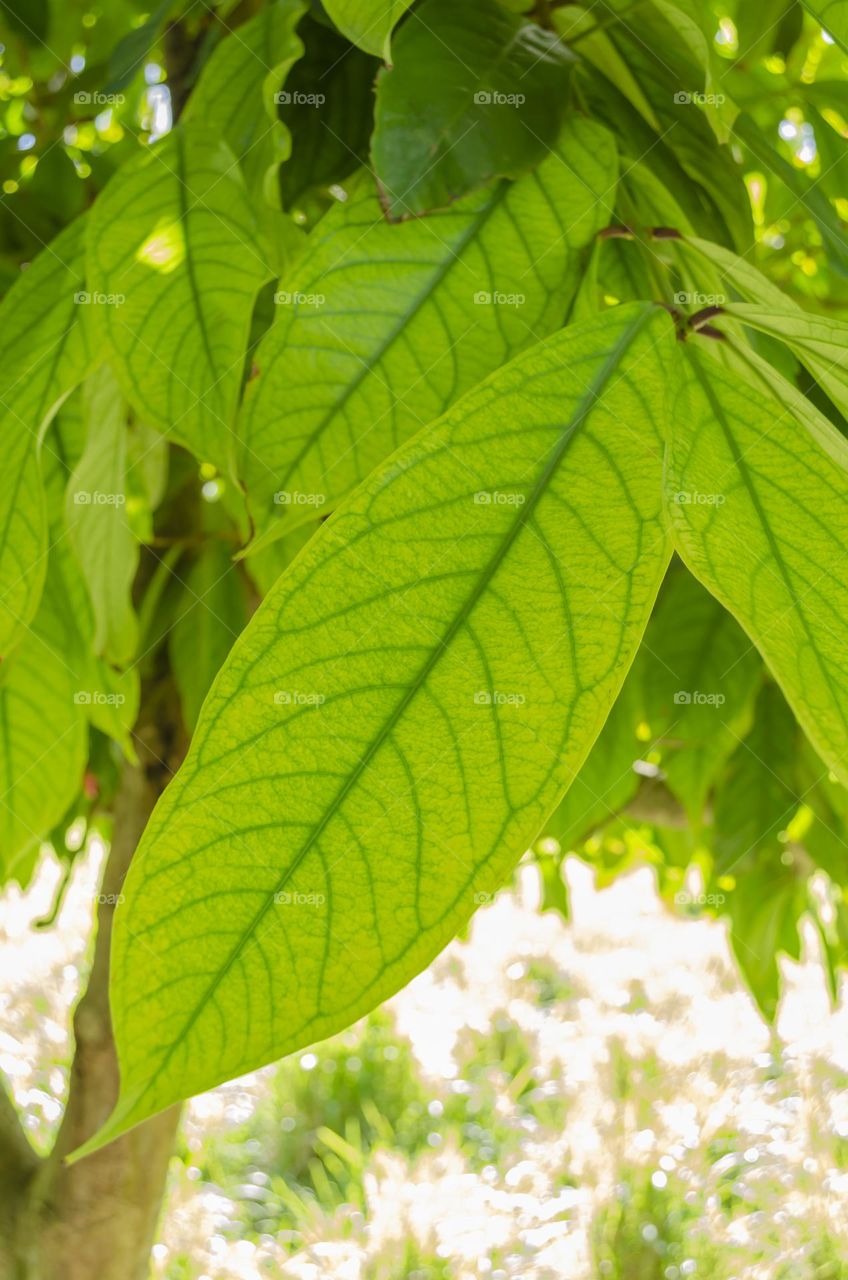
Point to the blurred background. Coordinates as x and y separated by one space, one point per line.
595 1096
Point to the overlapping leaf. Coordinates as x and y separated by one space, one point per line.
174 256
380 328
46 348
238 89
97 519
760 517
368 23
475 92
400 716
213 614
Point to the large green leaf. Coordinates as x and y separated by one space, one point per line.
238 90
400 716
98 525
760 516
475 92
368 23
174 255
46 348
382 327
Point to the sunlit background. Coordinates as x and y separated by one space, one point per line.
551 1099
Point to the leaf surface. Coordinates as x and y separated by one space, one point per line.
214 612
760 517
46 348
474 92
173 248
98 525
368 23
380 328
399 717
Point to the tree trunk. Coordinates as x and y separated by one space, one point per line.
95 1220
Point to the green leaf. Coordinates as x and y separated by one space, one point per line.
758 795
107 697
399 718
368 23
701 675
98 525
759 511
821 344
42 741
133 49
382 327
695 25
29 19
214 612
238 89
475 92
46 348
833 16
173 249
574 23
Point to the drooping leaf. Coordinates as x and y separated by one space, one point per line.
368 23
132 50
98 525
701 676
400 716
46 348
764 524
108 698
381 327
173 248
474 92
573 22
238 91
213 614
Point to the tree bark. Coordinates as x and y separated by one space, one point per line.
95 1220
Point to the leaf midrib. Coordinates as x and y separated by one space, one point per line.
523 513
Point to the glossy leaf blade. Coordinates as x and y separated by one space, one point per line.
174 256
381 328
760 517
400 716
